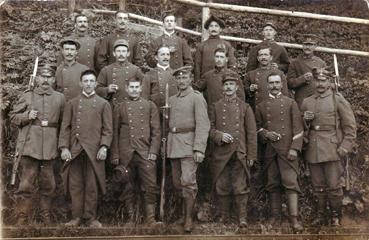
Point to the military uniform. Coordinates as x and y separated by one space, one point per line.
259 77
68 77
118 74
39 137
281 115
105 47
295 76
333 127
279 53
136 134
181 55
86 53
228 163
87 126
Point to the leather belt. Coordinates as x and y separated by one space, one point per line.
323 127
181 130
44 123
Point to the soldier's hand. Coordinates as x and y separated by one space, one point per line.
152 156
253 87
292 155
65 154
102 153
32 114
274 65
250 162
114 161
112 88
342 152
308 77
308 115
273 136
227 138
198 156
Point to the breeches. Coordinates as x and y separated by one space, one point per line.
184 176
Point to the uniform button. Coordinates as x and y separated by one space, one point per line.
237 126
79 112
142 128
282 119
77 134
129 108
78 119
281 112
142 136
224 110
224 117
132 128
130 121
283 134
141 107
282 127
224 123
268 122
132 136
77 126
142 120
65 88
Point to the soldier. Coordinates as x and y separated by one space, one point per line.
105 48
189 129
233 130
204 56
37 115
280 128
111 83
180 52
279 53
299 76
256 81
86 54
212 80
332 134
69 71
85 136
156 79
135 147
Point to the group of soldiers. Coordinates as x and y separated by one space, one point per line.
281 112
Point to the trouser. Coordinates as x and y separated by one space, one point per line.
83 187
233 178
145 171
184 176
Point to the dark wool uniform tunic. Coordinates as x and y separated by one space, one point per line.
118 74
204 56
279 53
235 117
180 57
280 114
67 79
296 80
105 47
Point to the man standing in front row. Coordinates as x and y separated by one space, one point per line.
135 147
85 136
332 134
37 115
280 128
188 133
233 130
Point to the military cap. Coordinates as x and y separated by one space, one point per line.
230 77
182 70
70 40
310 38
120 42
321 73
120 174
269 23
168 13
46 69
214 19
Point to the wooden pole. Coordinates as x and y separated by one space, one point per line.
122 5
71 6
246 40
205 16
275 12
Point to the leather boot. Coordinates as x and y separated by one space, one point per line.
241 206
294 211
24 207
130 212
275 207
224 204
45 204
150 214
189 202
321 208
336 210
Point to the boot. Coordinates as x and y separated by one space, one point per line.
321 208
45 203
336 210
24 207
241 206
294 211
189 202
275 205
224 204
181 219
150 214
75 222
130 212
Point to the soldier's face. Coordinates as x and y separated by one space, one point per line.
88 83
274 84
220 59
45 80
230 88
169 23
214 29
183 81
163 56
121 20
322 84
264 57
134 89
269 33
121 53
81 24
308 48
69 52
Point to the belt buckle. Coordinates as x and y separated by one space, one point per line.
44 123
174 129
317 127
